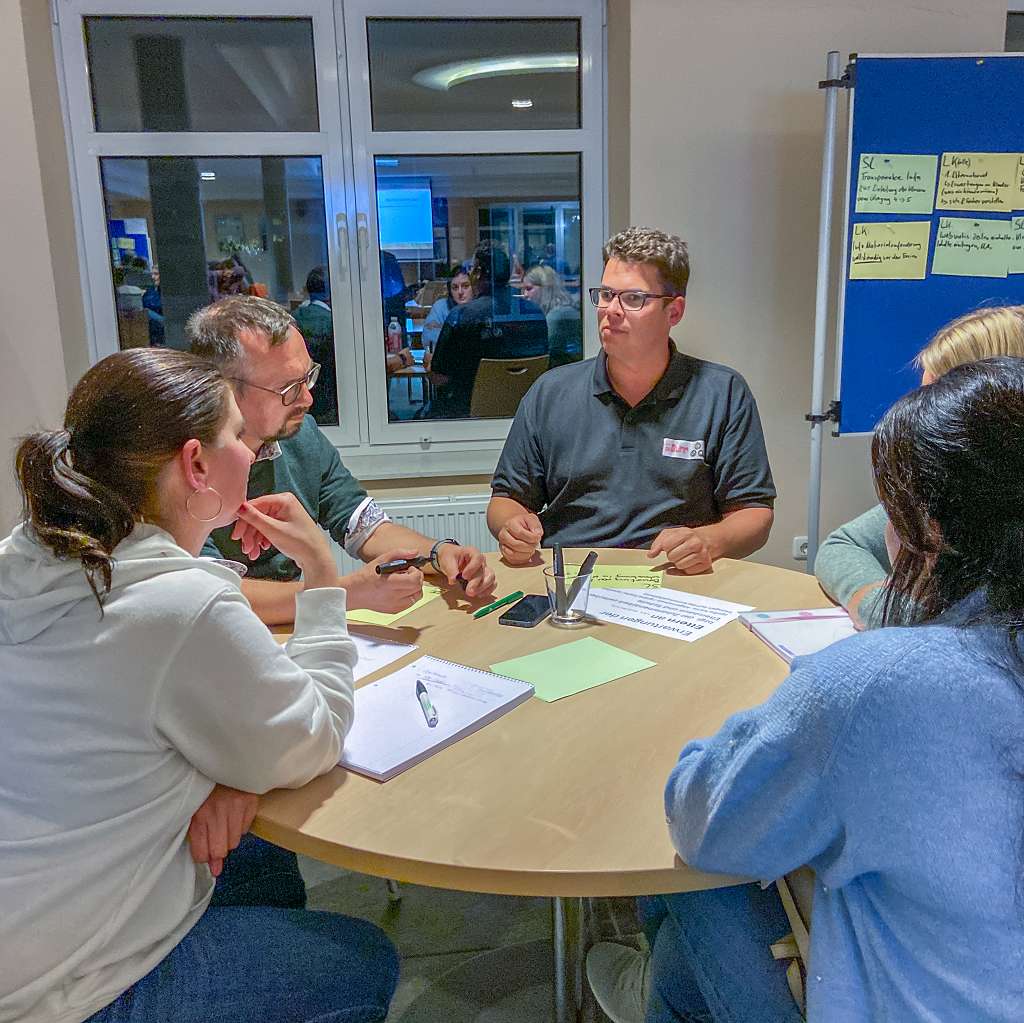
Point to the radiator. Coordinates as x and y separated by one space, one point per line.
463 517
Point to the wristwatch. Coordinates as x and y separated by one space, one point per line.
436 547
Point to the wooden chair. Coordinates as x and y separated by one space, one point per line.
796 891
501 383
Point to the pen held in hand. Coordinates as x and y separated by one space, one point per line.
429 712
391 567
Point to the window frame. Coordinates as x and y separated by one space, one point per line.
586 140
370 446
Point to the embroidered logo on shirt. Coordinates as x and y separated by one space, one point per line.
682 448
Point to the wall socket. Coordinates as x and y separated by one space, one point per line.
799 548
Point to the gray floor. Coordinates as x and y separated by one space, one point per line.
465 957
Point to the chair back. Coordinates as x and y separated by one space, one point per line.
501 383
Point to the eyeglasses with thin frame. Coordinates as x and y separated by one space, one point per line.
290 392
634 301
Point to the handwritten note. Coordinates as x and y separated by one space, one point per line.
892 183
1018 202
965 247
621 577
889 251
978 181
1016 264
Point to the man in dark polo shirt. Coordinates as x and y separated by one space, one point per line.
261 351
643 446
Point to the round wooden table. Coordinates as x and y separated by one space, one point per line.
558 799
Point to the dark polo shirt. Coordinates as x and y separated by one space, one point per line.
600 473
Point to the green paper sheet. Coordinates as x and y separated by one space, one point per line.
571 668
965 247
621 577
895 183
1017 246
365 617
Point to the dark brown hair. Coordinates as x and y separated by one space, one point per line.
84 487
949 466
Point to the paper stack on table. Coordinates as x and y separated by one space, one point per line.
375 654
391 734
664 612
797 633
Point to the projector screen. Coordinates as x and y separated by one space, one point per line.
404 218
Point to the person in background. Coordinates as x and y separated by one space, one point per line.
143 705
695 485
543 286
891 762
316 324
853 562
497 324
460 291
258 346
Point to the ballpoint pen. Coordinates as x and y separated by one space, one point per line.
585 569
425 705
486 610
558 570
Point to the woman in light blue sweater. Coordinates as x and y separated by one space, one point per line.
892 762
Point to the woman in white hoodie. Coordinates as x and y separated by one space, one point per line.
139 691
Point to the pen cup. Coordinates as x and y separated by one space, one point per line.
560 587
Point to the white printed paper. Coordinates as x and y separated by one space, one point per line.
375 654
665 612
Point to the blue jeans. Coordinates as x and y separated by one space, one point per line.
711 959
256 954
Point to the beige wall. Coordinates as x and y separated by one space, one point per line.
32 384
715 131
725 134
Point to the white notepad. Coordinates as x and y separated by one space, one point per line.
798 633
390 733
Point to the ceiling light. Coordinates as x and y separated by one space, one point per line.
444 76
207 175
386 161
522 104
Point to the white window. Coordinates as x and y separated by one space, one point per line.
358 163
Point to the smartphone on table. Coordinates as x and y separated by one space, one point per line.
528 612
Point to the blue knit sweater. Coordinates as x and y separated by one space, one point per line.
887 762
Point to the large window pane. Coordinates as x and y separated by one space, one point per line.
185 231
202 74
480 277
432 74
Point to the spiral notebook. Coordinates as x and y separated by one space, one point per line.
391 734
800 632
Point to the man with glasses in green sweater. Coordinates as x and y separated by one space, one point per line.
258 346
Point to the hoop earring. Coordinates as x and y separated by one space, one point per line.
204 518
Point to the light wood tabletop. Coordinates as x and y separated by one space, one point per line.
555 799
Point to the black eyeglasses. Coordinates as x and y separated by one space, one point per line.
634 301
290 393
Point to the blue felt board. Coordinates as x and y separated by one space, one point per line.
919 105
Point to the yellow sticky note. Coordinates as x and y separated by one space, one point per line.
1018 202
381 618
889 251
978 181
621 577
895 183
1016 264
965 247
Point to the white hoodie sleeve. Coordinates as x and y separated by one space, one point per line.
252 714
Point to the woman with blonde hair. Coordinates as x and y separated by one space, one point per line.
543 287
853 563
